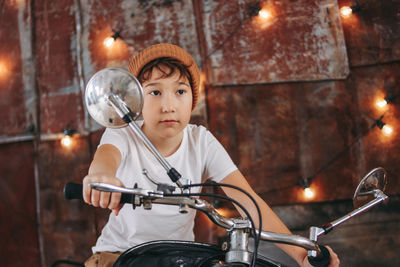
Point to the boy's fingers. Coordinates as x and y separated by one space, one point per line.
104 199
117 209
95 197
86 196
86 191
99 198
115 199
334 258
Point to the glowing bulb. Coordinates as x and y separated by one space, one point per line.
3 70
387 130
264 14
346 11
381 103
308 193
108 42
66 141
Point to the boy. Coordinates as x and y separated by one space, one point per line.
170 80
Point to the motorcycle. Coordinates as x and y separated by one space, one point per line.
114 98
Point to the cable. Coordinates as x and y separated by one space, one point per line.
256 237
253 228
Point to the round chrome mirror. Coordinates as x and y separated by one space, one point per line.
375 179
120 83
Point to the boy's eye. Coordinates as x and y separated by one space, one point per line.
155 92
181 92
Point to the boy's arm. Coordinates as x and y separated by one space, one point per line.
270 221
103 169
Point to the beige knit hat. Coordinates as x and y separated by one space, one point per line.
172 51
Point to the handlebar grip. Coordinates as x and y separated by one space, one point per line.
322 260
74 191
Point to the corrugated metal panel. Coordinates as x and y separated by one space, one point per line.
17 95
286 132
19 246
141 23
379 149
280 133
301 41
60 99
67 227
373 33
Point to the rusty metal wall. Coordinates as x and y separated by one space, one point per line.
18 223
289 98
140 23
18 96
290 131
301 40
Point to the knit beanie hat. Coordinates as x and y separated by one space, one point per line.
168 50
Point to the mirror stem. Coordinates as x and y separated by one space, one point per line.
125 113
379 197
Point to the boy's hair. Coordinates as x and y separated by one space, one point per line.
171 56
171 65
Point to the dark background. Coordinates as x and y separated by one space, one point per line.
291 97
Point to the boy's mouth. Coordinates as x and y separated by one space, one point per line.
168 122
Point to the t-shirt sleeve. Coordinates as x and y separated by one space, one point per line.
218 162
116 137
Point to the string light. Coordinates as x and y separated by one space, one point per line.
66 141
3 70
254 10
346 11
109 41
386 129
381 103
264 14
307 191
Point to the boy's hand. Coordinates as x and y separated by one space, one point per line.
334 260
102 199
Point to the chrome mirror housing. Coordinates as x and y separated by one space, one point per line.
119 83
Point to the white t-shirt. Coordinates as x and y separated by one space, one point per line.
199 157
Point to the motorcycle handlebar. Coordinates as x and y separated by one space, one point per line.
323 258
74 191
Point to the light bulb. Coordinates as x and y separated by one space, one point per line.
387 130
108 42
381 103
3 70
346 11
264 14
308 193
66 141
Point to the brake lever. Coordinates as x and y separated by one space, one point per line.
165 188
118 189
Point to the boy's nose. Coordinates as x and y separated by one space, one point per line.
168 103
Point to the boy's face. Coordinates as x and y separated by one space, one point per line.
167 105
